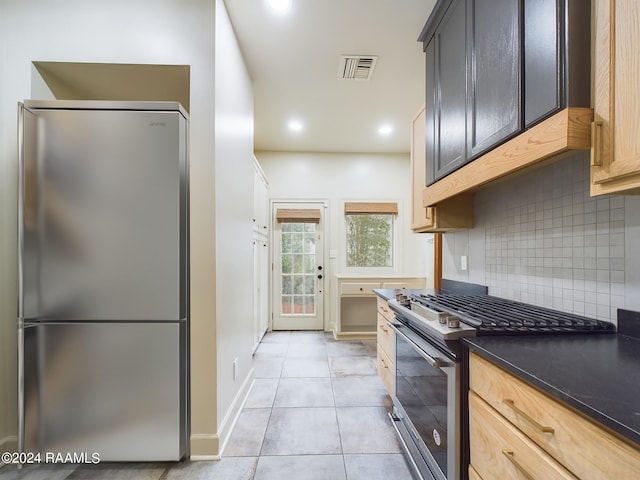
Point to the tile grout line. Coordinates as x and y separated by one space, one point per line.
335 410
264 435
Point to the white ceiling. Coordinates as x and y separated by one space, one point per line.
293 60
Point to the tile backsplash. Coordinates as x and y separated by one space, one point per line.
547 242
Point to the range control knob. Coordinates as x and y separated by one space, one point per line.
453 322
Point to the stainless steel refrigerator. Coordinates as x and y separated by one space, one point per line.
103 313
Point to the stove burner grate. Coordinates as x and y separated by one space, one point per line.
499 315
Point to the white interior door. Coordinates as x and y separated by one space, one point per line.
298 270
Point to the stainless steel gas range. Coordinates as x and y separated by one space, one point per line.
430 406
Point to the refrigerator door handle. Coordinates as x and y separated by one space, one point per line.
20 213
20 334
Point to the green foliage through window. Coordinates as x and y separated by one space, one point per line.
369 240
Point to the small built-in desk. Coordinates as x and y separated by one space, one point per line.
355 311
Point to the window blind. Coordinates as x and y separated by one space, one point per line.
370 208
298 215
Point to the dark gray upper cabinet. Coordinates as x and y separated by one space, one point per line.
557 35
498 67
451 84
494 80
541 59
430 107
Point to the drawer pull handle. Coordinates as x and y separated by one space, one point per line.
510 456
596 143
385 330
384 364
509 403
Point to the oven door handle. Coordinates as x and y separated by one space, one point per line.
434 362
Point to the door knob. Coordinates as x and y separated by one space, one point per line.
319 276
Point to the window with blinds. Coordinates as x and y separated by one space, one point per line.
369 231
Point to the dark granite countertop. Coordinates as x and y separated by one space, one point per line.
597 374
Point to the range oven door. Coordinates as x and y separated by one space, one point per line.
427 405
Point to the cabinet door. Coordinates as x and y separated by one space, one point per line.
430 114
451 90
419 218
542 33
616 143
260 202
493 86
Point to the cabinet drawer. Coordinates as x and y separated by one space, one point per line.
386 338
384 310
473 475
360 288
386 370
499 451
585 448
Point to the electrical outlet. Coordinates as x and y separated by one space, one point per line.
463 263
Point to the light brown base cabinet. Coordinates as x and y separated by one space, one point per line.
518 432
386 347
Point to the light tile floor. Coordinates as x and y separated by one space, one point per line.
317 411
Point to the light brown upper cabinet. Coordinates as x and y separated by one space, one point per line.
420 216
615 153
451 215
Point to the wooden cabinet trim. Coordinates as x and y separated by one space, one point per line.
566 131
437 261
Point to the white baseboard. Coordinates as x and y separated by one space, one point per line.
203 446
205 458
230 419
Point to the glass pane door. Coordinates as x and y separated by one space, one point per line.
298 269
298 276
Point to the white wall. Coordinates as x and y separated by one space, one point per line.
122 31
234 222
339 177
542 239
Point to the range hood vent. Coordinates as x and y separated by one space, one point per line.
357 67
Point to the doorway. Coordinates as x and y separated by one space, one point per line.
298 271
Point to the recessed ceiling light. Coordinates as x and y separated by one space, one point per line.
295 126
280 6
385 129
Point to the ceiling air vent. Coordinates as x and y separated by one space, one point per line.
357 67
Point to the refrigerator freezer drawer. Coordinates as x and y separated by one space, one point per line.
113 389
